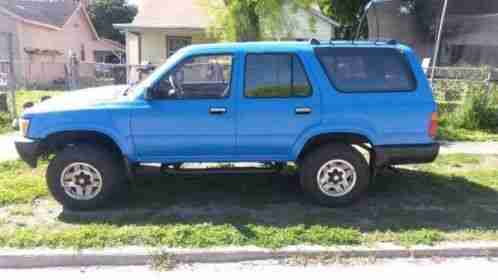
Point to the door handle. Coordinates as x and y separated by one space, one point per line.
303 111
217 111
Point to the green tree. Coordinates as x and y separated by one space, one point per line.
251 20
104 13
346 12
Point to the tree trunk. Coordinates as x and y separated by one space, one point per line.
249 28
253 32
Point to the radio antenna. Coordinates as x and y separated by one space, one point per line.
363 16
377 24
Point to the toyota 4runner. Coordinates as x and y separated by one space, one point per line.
317 105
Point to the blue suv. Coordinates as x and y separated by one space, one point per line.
339 110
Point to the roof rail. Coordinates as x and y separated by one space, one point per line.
386 41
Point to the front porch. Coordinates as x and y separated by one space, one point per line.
153 45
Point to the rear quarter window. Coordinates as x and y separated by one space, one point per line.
361 70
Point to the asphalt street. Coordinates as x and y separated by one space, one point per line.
436 268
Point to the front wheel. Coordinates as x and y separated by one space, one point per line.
335 175
84 177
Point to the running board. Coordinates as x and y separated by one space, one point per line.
180 169
212 171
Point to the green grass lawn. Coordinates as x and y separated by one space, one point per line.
448 133
453 199
5 123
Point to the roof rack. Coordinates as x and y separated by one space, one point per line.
314 42
387 41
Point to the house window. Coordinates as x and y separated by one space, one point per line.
175 43
82 53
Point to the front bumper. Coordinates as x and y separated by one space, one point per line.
405 154
28 150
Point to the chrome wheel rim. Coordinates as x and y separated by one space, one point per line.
336 178
81 181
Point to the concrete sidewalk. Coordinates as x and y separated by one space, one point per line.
130 256
478 148
8 150
7 147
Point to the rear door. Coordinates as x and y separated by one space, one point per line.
277 105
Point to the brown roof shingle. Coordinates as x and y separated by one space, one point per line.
54 12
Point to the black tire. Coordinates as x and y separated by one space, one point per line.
312 163
108 164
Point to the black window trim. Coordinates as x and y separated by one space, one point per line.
292 55
406 64
233 55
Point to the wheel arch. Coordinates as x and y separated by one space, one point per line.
317 140
58 140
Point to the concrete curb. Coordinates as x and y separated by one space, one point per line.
142 256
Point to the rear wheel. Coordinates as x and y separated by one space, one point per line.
84 177
335 175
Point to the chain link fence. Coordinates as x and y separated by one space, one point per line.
451 85
77 75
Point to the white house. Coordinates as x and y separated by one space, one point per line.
162 27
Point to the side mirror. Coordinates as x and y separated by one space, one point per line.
149 93
172 92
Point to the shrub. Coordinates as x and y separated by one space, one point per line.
5 122
479 110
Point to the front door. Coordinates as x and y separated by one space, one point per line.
191 116
278 104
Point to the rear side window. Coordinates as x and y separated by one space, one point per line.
275 76
367 70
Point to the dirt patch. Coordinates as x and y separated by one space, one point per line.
40 212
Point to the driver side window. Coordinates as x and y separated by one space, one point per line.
200 77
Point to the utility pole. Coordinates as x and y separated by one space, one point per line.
438 40
12 75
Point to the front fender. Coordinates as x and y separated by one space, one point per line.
101 122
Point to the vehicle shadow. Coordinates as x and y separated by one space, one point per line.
399 200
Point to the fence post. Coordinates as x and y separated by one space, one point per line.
487 82
12 75
491 80
72 72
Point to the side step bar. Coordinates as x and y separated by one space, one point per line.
180 170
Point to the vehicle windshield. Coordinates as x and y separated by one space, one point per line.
138 88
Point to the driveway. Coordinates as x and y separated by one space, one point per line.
478 148
7 147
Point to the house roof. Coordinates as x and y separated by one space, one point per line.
54 13
472 29
466 7
171 14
